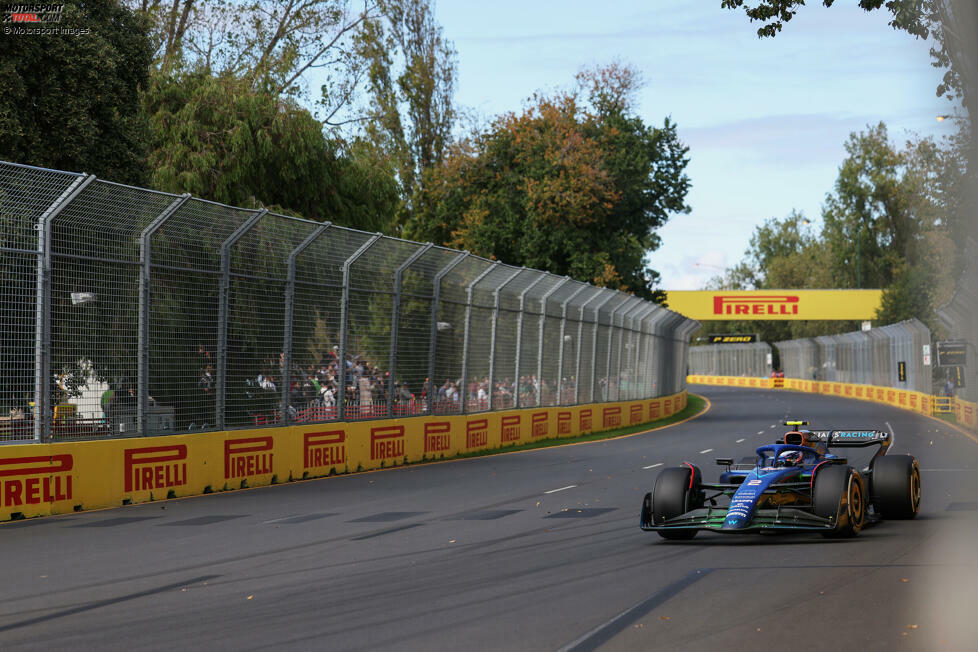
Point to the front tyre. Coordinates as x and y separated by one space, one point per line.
676 491
839 493
896 486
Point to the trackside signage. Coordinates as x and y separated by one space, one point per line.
611 417
386 442
510 431
539 426
35 480
324 449
586 420
437 437
248 457
755 305
55 478
154 467
477 433
564 424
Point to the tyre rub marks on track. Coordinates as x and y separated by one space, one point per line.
603 633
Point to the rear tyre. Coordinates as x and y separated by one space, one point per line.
676 491
840 493
896 486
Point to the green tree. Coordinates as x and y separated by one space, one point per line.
889 223
72 102
577 184
269 43
412 70
217 138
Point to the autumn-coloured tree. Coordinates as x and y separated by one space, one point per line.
576 184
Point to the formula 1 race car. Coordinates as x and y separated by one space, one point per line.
795 484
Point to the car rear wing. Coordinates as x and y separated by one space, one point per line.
850 438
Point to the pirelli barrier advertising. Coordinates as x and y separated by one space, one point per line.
966 413
44 479
741 305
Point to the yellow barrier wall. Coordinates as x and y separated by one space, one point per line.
966 413
43 479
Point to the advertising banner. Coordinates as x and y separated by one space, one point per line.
43 479
754 305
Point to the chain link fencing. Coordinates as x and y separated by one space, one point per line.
746 359
891 356
960 318
129 312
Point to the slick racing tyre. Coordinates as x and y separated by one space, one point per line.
896 486
839 493
676 491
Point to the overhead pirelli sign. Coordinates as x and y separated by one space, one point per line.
755 305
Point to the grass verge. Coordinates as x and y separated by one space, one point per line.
695 405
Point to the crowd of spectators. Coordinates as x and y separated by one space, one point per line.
315 390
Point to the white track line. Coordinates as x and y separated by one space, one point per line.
652 466
706 451
760 432
892 434
553 491
739 440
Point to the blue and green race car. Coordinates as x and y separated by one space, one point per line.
795 484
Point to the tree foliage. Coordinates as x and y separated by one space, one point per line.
576 184
951 23
887 224
217 138
72 102
411 75
270 43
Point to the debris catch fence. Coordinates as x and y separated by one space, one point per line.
125 311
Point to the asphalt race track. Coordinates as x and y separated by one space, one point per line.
531 551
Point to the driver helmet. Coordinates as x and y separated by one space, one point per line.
790 458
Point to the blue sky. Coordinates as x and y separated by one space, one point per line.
765 120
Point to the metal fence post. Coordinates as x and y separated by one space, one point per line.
465 338
540 338
222 314
594 343
643 340
344 319
42 311
395 323
519 336
433 335
560 355
145 280
611 339
492 336
621 340
290 321
580 338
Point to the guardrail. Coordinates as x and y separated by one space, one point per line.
965 412
888 356
61 477
753 359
